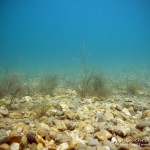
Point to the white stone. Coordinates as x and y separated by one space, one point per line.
126 111
14 146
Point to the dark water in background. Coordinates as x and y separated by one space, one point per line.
39 36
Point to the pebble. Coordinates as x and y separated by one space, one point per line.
14 146
15 115
60 125
39 146
61 138
31 137
72 123
4 147
103 135
23 142
15 137
4 112
89 128
108 115
146 113
120 130
63 146
110 145
143 124
93 142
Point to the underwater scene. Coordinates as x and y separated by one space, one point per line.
74 75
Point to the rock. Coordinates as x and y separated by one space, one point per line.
126 111
103 135
39 139
39 146
3 132
80 146
42 133
89 128
4 112
60 125
28 98
123 147
62 138
143 124
1 116
120 130
15 137
103 148
93 142
15 115
31 137
14 146
43 119
82 125
4 139
108 115
63 146
26 128
146 113
71 125
53 133
4 147
2 125
109 144
64 106
23 142
99 116
32 146
70 115
43 126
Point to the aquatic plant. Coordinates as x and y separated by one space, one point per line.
83 88
132 88
2 91
41 108
99 88
48 84
84 84
12 86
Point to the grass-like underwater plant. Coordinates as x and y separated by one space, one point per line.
12 86
90 83
83 88
99 88
41 108
132 88
48 84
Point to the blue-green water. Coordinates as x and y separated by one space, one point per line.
38 36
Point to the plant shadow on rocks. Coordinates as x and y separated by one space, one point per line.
48 84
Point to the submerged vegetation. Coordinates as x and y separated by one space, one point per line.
90 83
132 88
40 109
48 84
99 86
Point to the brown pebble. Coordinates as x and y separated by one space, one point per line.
31 137
4 147
23 142
15 137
